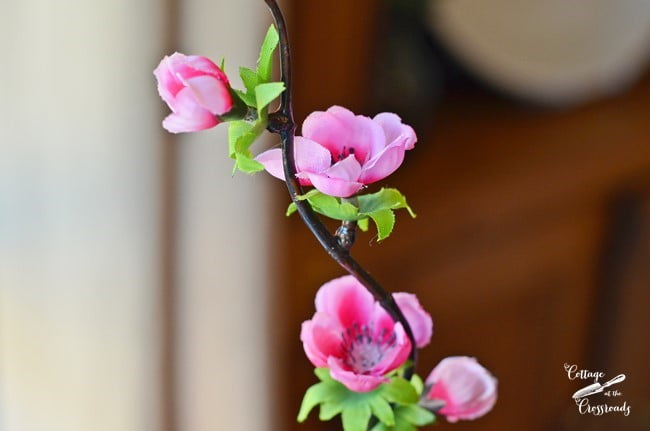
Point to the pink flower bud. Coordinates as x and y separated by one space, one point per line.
467 390
339 152
196 91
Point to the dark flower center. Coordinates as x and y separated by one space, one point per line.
345 152
363 349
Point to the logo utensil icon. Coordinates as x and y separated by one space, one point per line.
595 388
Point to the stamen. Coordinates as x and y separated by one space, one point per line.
362 350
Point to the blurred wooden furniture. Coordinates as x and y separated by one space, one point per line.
515 210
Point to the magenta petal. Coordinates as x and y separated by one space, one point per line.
307 337
321 338
347 299
397 354
338 180
339 130
176 123
353 381
309 156
210 93
168 84
394 129
331 131
382 322
384 164
272 162
347 169
468 389
419 320
204 65
334 186
188 115
195 89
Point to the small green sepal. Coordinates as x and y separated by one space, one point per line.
392 404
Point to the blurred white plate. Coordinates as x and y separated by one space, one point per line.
551 51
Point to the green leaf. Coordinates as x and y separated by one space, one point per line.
399 391
385 221
265 61
407 418
356 408
323 374
356 417
382 410
417 383
310 193
329 409
247 165
332 207
292 208
266 93
236 130
416 415
241 135
383 199
315 395
363 224
248 98
327 205
250 79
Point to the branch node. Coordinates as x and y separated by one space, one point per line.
346 234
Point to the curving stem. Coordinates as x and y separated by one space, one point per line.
282 123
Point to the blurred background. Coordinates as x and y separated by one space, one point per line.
142 287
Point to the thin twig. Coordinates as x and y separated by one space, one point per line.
282 122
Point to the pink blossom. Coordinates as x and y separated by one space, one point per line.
354 336
339 152
467 389
195 89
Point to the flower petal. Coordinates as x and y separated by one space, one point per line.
384 164
210 93
339 130
321 338
272 162
419 320
176 123
394 129
309 156
468 389
353 381
168 83
395 355
347 169
347 300
188 116
334 186
339 180
204 65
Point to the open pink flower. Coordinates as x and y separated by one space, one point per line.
354 336
467 389
340 152
196 91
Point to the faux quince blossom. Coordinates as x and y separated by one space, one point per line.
340 152
195 89
356 338
467 389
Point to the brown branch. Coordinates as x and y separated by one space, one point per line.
282 122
